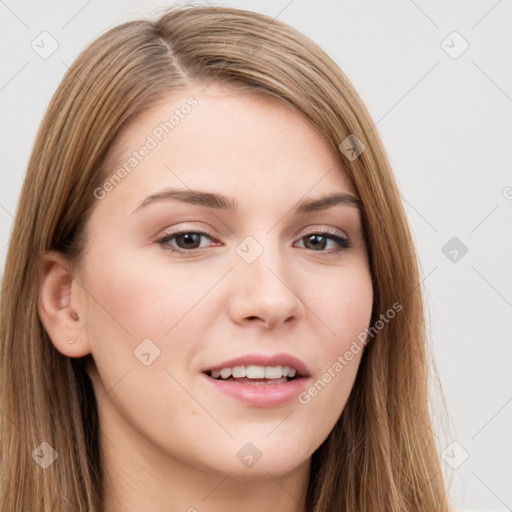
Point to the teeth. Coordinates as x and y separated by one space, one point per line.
239 371
273 372
253 371
225 373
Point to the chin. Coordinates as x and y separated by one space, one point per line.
263 470
248 462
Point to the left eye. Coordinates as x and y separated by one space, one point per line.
320 240
190 241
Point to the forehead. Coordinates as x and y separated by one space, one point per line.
226 139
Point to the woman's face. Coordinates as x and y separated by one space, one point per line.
266 281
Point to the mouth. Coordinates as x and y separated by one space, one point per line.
259 380
255 374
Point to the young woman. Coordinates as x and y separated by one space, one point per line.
211 299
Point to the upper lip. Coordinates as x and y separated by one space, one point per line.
263 360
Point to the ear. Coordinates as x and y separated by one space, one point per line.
61 306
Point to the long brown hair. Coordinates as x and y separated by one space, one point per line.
381 454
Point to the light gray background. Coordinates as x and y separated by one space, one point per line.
446 123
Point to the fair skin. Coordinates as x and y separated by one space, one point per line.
170 438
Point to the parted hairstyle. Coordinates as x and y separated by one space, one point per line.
381 454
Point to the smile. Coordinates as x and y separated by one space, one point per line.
255 374
261 381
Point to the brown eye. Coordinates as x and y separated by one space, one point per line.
319 241
186 241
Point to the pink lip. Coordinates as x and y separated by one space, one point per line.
261 395
264 360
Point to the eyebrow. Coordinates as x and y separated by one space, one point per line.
220 202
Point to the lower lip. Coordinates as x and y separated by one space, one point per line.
260 395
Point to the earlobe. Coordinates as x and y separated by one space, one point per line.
59 309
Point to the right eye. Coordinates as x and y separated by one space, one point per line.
185 238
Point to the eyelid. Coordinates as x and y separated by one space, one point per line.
332 231
194 229
341 239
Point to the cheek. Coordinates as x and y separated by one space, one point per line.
130 309
131 302
140 300
342 303
343 309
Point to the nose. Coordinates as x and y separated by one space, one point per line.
265 292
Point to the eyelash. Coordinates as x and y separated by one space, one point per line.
343 242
